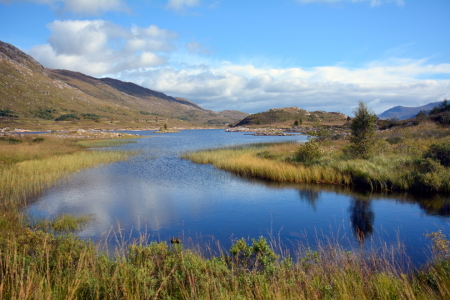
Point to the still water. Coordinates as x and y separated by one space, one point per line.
160 195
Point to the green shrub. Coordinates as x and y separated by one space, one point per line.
38 140
91 117
10 140
46 114
442 107
145 113
7 113
308 151
257 257
67 117
439 152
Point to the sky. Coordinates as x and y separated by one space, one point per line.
247 55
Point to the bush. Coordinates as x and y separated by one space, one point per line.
257 257
67 117
38 140
308 151
7 113
11 140
439 152
444 106
91 117
46 114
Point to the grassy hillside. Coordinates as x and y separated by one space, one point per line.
287 116
32 96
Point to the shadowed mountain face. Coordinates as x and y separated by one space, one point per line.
403 112
32 92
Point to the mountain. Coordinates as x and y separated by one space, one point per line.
404 112
288 115
36 96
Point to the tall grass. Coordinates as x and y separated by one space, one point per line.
38 265
27 178
33 164
247 163
398 162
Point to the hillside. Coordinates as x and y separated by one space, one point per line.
404 112
288 115
32 96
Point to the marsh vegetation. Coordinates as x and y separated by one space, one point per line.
404 158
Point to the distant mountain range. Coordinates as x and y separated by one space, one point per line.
31 94
404 112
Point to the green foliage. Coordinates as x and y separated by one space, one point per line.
91 117
308 152
46 114
67 117
439 152
296 123
145 113
441 246
429 175
165 126
7 113
10 140
257 257
422 115
322 133
65 223
363 132
444 106
38 140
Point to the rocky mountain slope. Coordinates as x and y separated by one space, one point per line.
404 112
36 96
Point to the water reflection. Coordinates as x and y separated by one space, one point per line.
361 218
160 194
310 196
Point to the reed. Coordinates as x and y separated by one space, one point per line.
400 161
38 265
28 167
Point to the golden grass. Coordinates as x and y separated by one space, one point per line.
397 163
29 167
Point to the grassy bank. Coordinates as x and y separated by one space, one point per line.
399 161
31 164
40 265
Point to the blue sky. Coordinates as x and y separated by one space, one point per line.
248 55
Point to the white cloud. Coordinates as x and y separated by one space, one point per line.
97 47
180 5
89 7
251 89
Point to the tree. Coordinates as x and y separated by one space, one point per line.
444 106
363 131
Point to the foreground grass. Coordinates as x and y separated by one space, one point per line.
397 163
39 265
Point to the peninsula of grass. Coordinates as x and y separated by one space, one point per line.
28 165
404 158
